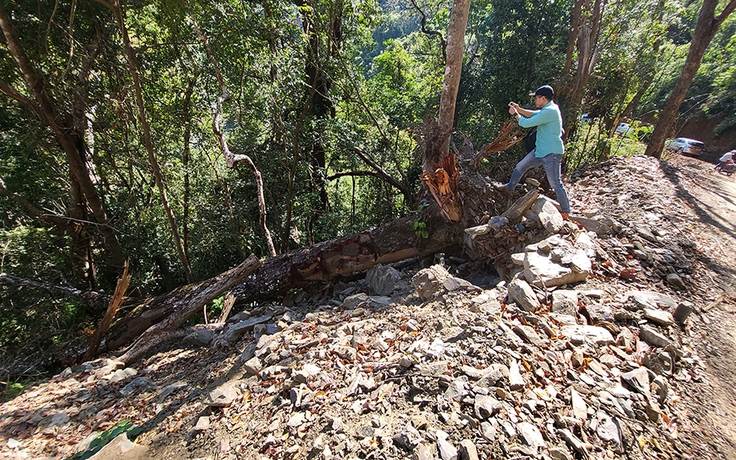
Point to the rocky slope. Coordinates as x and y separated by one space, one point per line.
599 347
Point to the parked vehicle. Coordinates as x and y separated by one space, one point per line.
685 146
623 128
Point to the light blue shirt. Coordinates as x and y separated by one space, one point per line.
548 121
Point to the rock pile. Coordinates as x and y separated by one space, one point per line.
583 353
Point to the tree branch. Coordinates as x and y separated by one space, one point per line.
353 174
230 158
384 175
426 31
92 298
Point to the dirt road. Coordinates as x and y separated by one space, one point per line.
712 196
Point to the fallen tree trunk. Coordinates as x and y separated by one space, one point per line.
188 305
322 262
326 261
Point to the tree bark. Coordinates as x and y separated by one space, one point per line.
46 108
186 307
231 159
439 164
130 54
705 29
453 68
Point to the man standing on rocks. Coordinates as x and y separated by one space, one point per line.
549 147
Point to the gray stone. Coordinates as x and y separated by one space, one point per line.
488 431
424 452
468 451
453 283
516 381
595 334
246 325
446 449
565 301
661 317
122 374
682 311
253 366
674 280
457 388
429 282
200 337
638 380
625 339
486 406
142 383
59 418
559 453
599 226
492 374
599 313
383 279
660 388
531 435
222 396
653 337
306 373
408 438
121 448
579 408
168 390
651 299
607 428
522 293
548 215
541 271
354 301
528 334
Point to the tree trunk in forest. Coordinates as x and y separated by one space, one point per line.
581 48
147 141
453 68
231 159
47 111
705 29
439 164
318 104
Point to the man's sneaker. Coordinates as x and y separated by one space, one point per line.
501 187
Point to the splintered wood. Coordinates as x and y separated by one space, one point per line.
509 135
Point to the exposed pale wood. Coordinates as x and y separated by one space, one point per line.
187 306
520 206
117 300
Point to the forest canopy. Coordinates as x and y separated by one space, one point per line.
120 121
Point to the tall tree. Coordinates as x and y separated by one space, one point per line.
66 134
582 50
705 29
130 55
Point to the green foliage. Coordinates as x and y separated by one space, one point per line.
11 390
419 226
104 438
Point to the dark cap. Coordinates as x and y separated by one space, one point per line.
545 91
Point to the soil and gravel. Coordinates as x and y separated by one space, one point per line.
465 371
